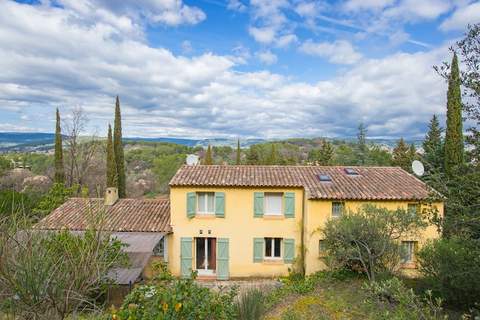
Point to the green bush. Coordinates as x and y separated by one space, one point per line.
451 267
173 298
251 304
394 301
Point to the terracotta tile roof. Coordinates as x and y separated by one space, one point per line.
127 215
371 183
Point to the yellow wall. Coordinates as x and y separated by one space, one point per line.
239 226
319 211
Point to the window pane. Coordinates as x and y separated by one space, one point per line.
268 247
407 251
413 208
201 202
277 247
337 209
211 199
273 203
322 247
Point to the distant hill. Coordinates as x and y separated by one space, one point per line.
41 142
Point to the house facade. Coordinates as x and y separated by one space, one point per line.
253 221
229 222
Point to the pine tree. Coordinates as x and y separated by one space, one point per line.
454 133
239 155
208 156
362 144
112 180
412 153
118 150
326 153
433 146
401 155
59 169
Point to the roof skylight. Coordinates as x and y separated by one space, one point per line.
324 178
351 172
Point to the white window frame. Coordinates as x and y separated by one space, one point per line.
205 194
273 194
343 208
409 253
272 257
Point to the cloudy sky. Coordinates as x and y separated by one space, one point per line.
238 68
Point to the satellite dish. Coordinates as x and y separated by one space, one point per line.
417 168
192 159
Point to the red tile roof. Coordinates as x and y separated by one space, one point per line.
127 215
371 183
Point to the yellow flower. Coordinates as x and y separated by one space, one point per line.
114 317
178 305
165 307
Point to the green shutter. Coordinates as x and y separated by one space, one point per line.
258 204
220 204
289 211
258 249
288 250
191 204
186 257
222 259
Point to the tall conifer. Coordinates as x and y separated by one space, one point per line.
59 169
239 159
454 133
433 146
208 156
118 150
401 155
112 180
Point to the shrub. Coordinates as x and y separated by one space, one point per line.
251 304
49 275
368 240
452 268
394 301
170 298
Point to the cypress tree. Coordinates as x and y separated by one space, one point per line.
433 146
238 160
112 180
208 156
362 144
401 155
118 150
454 132
59 169
272 159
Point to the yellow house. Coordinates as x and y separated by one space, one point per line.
243 221
252 221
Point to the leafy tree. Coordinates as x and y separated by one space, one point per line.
402 155
208 160
272 158
118 150
362 144
454 133
59 169
165 167
253 154
111 164
433 146
238 159
324 155
51 275
369 238
451 267
55 197
379 157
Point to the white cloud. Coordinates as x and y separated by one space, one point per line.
267 57
339 51
355 5
286 40
169 12
264 35
69 62
186 46
236 5
462 17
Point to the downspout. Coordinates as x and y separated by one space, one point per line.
302 234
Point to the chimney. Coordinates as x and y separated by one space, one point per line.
111 196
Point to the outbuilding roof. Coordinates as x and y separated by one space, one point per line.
126 215
344 183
